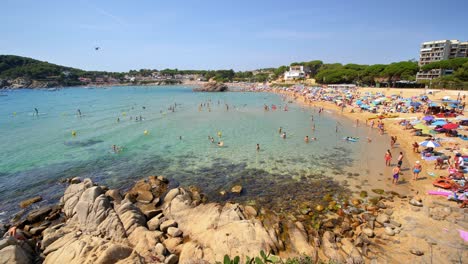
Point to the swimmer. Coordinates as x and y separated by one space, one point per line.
280 130
118 120
37 111
114 148
306 139
258 147
212 139
313 138
79 112
283 135
220 144
180 137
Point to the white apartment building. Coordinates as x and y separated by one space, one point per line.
438 50
296 72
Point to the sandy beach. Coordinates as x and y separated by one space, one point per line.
435 228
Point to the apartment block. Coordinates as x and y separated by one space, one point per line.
438 50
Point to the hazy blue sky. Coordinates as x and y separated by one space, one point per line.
224 34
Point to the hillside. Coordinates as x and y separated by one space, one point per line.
22 72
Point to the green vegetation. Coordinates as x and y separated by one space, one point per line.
12 67
264 259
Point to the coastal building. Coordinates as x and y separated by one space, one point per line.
296 72
438 50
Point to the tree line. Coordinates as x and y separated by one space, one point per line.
12 67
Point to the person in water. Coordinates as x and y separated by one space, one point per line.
118 120
220 144
306 139
388 157
416 170
283 135
79 112
280 130
37 111
258 147
396 174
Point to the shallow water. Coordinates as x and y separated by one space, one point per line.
37 151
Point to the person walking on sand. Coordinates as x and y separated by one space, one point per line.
396 174
400 159
416 170
415 147
388 157
392 141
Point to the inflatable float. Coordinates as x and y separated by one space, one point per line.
443 183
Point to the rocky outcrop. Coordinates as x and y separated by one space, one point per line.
150 224
212 87
23 82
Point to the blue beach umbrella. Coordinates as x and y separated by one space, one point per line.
430 144
415 104
428 118
439 123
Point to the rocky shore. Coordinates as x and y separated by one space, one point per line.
150 224
212 87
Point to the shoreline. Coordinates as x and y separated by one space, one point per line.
396 246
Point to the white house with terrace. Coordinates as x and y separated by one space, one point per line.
296 72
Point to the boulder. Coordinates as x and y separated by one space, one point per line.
30 201
212 87
415 202
75 180
166 224
382 218
155 222
172 259
160 249
353 253
250 211
171 194
39 214
114 195
416 252
389 231
368 232
172 243
144 197
331 249
174 232
14 254
236 189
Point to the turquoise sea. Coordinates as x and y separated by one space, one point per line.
38 151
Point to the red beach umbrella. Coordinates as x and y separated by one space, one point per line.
450 126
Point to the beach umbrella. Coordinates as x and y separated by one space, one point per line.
430 144
415 104
428 118
462 118
450 126
439 123
446 98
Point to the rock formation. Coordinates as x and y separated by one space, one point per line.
212 87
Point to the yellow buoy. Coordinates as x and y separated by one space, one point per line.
124 114
146 132
73 133
219 134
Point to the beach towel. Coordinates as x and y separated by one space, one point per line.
463 234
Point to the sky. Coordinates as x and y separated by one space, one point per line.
224 34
